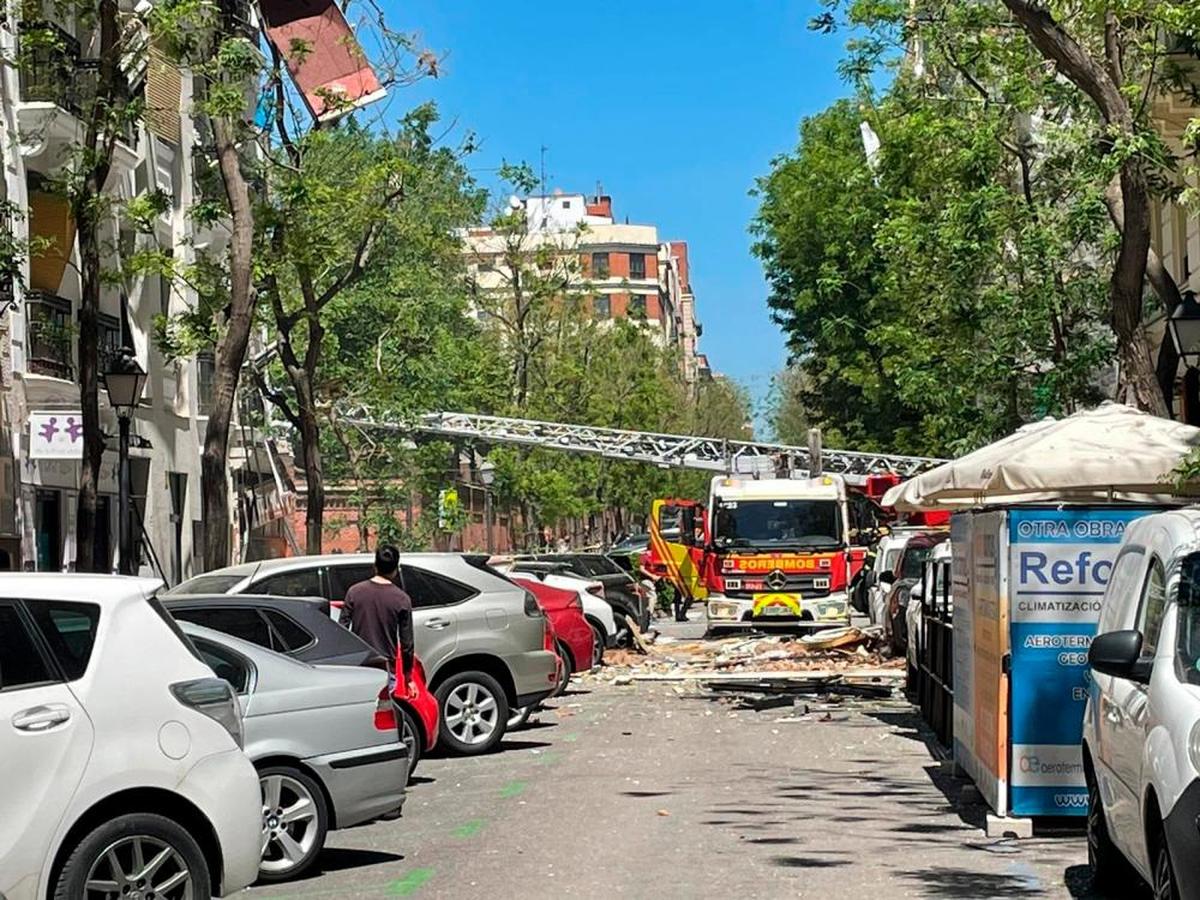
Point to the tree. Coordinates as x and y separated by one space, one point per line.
1109 66
950 286
109 112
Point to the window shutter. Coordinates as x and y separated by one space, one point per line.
163 97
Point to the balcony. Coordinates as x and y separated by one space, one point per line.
55 78
51 335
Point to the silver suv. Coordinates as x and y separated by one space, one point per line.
481 638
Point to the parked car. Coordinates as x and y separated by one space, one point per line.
901 580
324 742
1141 726
914 611
622 591
119 746
480 637
596 611
576 641
630 544
887 557
301 627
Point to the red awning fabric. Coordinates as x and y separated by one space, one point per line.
331 70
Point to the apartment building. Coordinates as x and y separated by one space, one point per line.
40 445
623 271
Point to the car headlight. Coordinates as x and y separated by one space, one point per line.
1194 746
722 609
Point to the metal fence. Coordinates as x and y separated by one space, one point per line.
935 651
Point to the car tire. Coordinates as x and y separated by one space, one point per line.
568 665
92 859
518 717
295 823
1165 887
1108 864
410 736
599 642
471 701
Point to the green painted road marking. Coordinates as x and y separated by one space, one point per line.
410 883
468 829
547 758
512 789
570 738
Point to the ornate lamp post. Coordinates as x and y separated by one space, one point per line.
487 474
124 381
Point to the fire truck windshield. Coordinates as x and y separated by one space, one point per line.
799 524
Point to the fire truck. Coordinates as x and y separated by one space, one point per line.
769 552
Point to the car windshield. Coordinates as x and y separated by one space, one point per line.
1187 642
779 523
889 559
205 584
914 558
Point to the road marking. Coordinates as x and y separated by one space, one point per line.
468 829
410 883
512 789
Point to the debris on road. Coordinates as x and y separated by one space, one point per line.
843 655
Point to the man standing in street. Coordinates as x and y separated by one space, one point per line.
380 613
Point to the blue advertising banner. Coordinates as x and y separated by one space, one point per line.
1059 564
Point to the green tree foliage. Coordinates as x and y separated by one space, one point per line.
948 288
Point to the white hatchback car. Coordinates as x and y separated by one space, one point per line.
123 774
1141 728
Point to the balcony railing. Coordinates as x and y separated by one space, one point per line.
54 71
51 335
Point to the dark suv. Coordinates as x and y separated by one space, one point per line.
621 589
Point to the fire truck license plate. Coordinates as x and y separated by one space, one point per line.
776 605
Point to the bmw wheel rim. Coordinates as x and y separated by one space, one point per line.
1164 888
140 867
472 713
289 828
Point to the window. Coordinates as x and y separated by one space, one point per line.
637 265
70 630
21 665
637 306
225 664
429 589
206 382
300 583
243 622
599 265
206 584
1122 585
601 306
566 204
1153 605
290 636
342 577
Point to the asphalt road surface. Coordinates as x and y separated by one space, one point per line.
642 791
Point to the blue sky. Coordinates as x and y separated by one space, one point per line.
675 107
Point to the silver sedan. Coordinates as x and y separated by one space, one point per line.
323 739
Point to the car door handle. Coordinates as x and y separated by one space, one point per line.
41 718
438 623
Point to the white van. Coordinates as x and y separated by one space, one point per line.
1141 730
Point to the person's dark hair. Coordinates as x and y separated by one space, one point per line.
387 560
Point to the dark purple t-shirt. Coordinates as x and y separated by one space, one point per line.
381 614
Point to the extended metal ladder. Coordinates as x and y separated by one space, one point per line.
663 450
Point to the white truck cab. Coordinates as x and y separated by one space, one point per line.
1141 730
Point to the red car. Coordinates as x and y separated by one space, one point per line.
418 712
565 612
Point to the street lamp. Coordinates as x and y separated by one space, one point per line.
124 380
1185 332
487 474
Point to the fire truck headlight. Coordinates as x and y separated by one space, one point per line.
722 609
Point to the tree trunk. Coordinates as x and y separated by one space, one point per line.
87 527
98 149
230 352
310 453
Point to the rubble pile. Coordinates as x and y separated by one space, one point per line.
846 653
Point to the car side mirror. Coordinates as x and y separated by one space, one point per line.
888 577
917 591
1119 654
